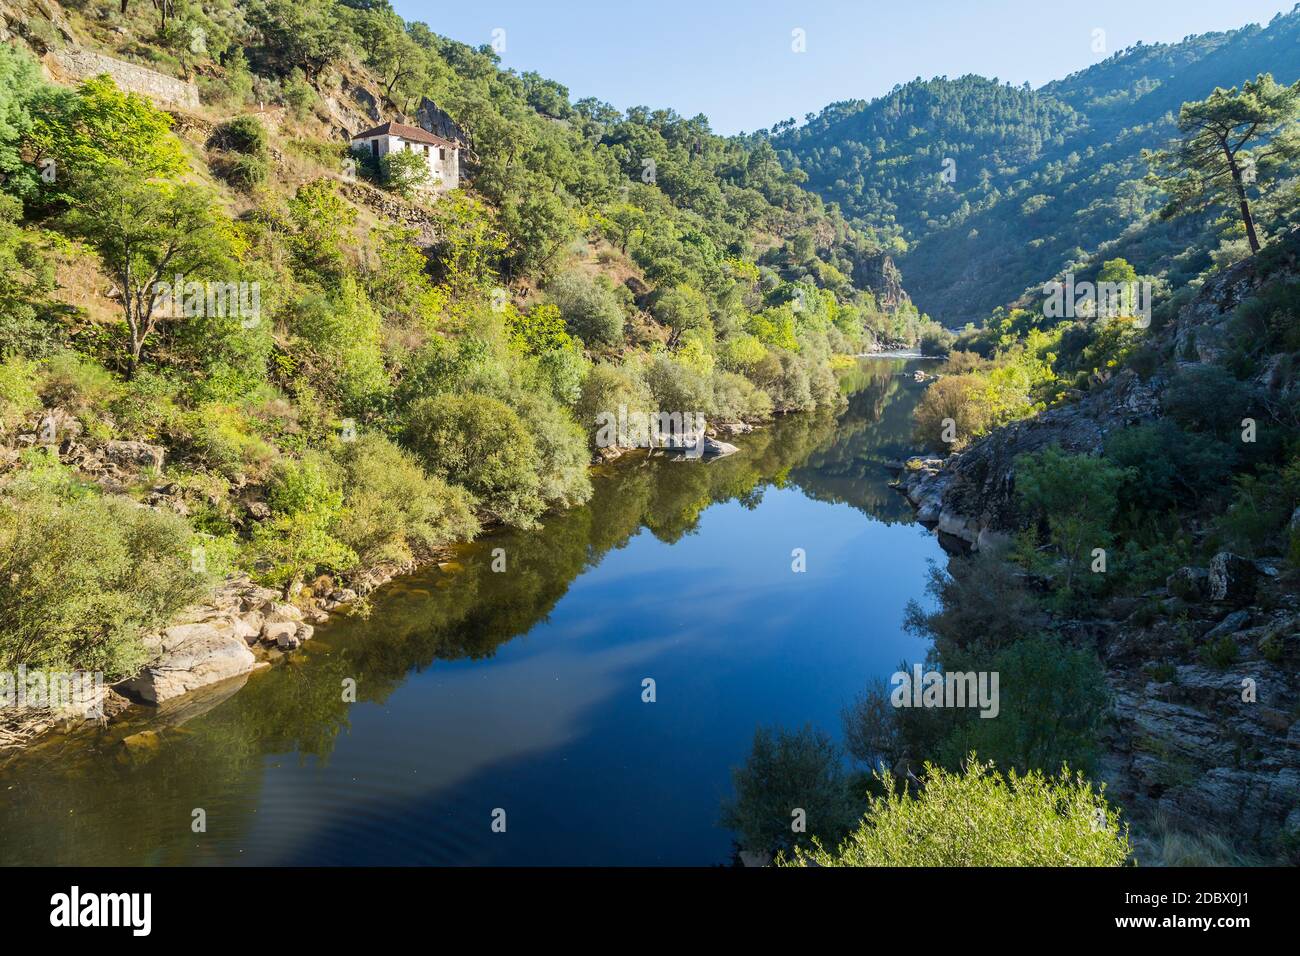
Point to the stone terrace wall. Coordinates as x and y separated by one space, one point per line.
83 64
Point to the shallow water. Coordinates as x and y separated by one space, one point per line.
521 691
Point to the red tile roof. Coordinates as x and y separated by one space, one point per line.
413 133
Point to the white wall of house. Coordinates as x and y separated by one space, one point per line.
443 161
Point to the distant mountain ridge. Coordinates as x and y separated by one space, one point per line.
995 188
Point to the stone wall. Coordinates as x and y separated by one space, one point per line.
82 64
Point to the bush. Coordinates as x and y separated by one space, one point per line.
951 407
1076 496
394 512
18 397
561 450
980 818
306 502
85 576
224 439
404 172
243 134
1052 701
736 398
479 442
590 309
1206 398
1167 466
605 388
788 771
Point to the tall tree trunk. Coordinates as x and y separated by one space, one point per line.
1246 217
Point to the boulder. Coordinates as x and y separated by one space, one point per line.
1190 584
1230 625
718 449
280 633
134 454
189 656
1232 578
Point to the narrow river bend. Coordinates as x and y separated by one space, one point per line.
523 690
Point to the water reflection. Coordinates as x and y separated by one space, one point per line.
522 690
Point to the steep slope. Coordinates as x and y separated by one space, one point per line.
1042 178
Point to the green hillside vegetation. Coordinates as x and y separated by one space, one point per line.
380 396
1042 181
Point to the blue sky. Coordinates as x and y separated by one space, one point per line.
733 61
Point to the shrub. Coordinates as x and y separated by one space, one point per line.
736 398
561 450
605 388
225 440
1077 497
951 408
677 387
243 134
404 172
298 539
980 818
1206 398
18 397
85 576
479 442
1052 701
393 511
590 309
789 771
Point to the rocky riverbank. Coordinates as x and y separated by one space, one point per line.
1205 670
241 627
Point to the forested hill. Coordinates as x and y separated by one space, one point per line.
1039 180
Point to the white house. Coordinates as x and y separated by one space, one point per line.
442 155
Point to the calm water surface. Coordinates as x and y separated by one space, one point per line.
523 690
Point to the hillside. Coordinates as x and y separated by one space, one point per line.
247 370
1040 180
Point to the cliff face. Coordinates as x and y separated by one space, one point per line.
1205 748
883 277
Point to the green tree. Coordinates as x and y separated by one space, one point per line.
1077 496
480 443
148 231
1228 139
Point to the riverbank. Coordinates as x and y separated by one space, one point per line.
241 627
514 677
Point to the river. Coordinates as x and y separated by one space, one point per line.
521 690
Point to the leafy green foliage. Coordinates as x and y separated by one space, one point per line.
85 576
982 818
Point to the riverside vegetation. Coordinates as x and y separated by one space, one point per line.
1127 484
416 370
408 370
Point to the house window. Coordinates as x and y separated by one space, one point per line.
442 152
426 152
374 148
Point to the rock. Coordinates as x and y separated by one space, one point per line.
278 611
287 641
138 454
1231 624
189 656
1190 584
734 428
718 449
1232 578
280 632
